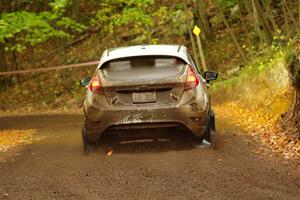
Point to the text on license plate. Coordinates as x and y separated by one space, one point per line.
144 97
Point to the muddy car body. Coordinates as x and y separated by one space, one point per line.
147 86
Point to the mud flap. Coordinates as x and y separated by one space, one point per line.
209 135
86 145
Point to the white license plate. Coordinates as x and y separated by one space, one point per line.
144 97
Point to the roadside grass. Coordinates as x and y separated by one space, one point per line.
255 99
263 76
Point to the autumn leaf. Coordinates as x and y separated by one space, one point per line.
12 138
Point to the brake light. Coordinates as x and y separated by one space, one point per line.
95 85
192 80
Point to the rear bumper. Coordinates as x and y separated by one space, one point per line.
98 121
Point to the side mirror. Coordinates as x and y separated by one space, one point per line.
210 76
85 81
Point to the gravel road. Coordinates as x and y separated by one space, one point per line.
170 168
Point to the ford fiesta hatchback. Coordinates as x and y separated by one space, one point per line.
147 86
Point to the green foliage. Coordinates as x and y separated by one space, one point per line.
66 22
226 3
133 15
58 6
138 17
260 66
29 28
113 14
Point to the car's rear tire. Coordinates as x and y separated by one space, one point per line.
88 144
208 139
210 135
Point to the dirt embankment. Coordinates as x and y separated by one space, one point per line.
255 100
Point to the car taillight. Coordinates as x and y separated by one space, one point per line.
192 80
95 85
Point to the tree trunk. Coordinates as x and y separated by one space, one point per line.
203 62
233 36
75 9
62 44
149 35
3 66
265 22
191 34
15 60
248 6
3 63
296 111
294 70
286 21
269 14
296 107
243 22
289 12
203 19
260 25
299 13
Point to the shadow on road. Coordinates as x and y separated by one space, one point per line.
147 140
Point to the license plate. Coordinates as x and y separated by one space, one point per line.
144 97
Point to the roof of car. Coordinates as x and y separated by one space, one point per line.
178 51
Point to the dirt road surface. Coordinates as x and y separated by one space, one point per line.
56 168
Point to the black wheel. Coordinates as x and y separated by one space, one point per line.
89 141
210 134
208 139
86 143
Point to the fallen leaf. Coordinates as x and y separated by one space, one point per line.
110 152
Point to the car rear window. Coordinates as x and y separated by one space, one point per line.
143 68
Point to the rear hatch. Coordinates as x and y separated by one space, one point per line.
151 80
